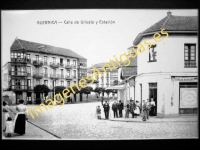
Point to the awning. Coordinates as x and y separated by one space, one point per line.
116 87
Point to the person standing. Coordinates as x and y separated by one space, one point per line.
144 109
102 100
5 114
120 107
127 109
106 109
153 107
148 108
137 109
20 119
115 108
98 112
132 107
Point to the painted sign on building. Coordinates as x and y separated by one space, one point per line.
188 97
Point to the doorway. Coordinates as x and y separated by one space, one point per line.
153 94
28 99
18 97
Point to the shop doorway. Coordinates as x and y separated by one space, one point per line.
153 95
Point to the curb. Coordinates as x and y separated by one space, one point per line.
150 121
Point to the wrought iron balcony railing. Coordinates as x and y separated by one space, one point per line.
54 65
38 75
67 66
190 63
37 63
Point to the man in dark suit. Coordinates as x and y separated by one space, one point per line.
106 110
115 108
120 107
144 109
132 107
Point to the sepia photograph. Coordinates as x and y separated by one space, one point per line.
99 74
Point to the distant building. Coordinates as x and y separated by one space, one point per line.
35 63
167 72
104 81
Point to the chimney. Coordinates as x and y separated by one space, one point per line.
169 14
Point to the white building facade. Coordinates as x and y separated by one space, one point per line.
167 72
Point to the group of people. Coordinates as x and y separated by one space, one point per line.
132 107
149 108
16 124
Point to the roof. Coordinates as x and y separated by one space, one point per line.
19 44
129 71
171 23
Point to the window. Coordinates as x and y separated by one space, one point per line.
74 63
54 60
45 71
37 57
62 83
15 55
74 73
28 56
68 62
22 55
68 72
12 55
29 70
37 81
37 70
29 83
45 60
152 54
74 82
46 82
68 83
190 55
61 61
61 72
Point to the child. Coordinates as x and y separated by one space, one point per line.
9 127
98 112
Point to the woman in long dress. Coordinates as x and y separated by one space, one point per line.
5 114
137 109
20 119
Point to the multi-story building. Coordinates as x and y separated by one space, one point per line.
34 63
167 72
104 81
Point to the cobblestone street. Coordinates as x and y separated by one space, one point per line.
78 121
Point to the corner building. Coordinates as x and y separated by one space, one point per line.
167 72
34 63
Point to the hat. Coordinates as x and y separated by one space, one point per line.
21 101
137 101
131 100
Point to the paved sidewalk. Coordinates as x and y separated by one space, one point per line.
32 132
155 119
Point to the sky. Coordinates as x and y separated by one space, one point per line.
96 42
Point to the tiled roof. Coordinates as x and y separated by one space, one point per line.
129 71
43 48
172 23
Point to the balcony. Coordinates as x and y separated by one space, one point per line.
54 65
29 88
19 87
190 64
68 66
38 76
61 65
54 76
68 77
45 75
28 61
20 60
45 63
74 66
37 63
17 73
